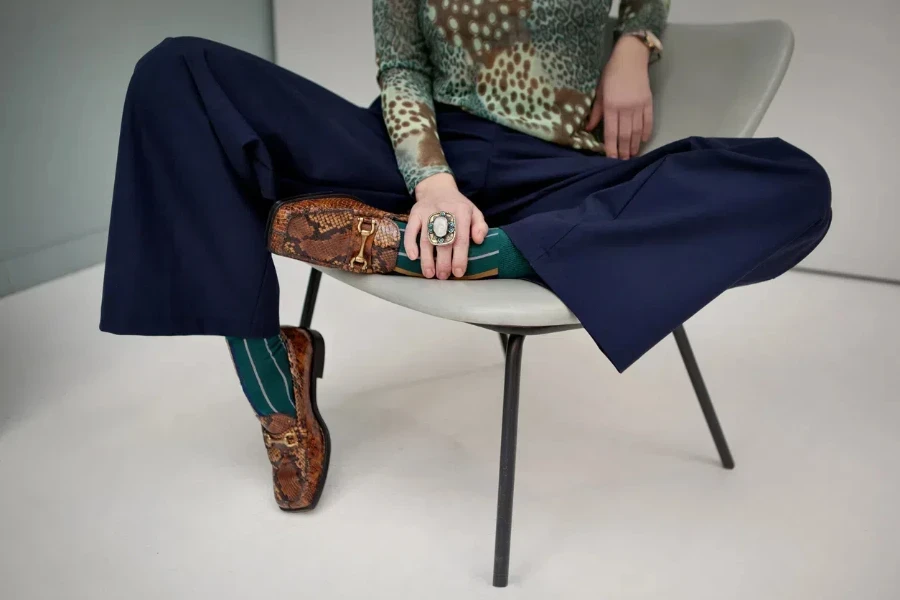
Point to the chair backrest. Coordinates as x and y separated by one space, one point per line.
718 80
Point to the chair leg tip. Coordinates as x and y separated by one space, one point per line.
501 581
728 465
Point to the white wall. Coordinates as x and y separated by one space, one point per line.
330 43
839 101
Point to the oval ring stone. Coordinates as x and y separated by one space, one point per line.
441 225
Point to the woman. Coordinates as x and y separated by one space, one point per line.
493 113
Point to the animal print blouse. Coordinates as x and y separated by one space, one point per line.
531 65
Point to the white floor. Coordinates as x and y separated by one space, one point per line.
131 468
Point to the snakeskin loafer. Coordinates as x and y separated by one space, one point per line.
338 232
299 448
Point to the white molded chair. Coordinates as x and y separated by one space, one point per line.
713 81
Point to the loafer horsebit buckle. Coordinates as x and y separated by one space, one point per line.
360 259
289 439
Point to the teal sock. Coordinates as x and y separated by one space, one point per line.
495 257
265 374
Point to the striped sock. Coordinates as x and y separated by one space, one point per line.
495 257
265 373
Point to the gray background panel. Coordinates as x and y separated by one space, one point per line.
65 67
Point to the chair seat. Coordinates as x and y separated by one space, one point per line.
495 302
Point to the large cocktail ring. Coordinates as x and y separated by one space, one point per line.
441 228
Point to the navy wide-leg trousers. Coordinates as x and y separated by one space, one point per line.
212 136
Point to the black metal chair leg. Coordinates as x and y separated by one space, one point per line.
712 421
312 292
507 459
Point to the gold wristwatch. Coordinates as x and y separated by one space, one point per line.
651 41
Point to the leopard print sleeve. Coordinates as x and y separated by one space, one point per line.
404 75
643 15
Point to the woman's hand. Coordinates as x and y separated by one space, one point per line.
435 194
624 100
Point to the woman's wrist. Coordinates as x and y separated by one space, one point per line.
634 48
435 184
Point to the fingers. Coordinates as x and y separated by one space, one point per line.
444 254
648 121
444 262
427 256
409 237
611 132
479 227
460 246
637 131
625 128
596 113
